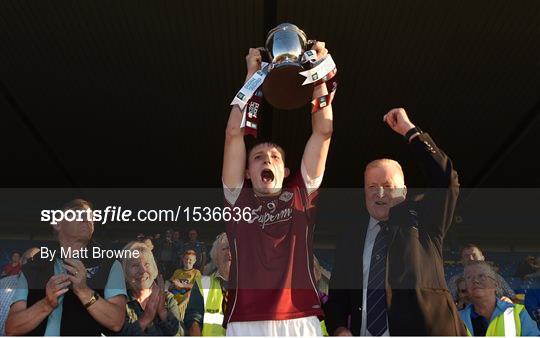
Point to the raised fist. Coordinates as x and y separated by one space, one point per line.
253 61
319 47
398 120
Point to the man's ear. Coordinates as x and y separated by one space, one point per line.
287 172
404 191
248 177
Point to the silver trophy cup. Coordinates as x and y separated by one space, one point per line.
282 87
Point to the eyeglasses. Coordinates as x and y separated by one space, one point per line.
480 278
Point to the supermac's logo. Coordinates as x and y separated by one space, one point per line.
240 96
314 76
265 218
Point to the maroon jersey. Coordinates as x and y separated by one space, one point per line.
271 275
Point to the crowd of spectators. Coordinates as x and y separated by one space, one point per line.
171 289
470 253
143 295
169 248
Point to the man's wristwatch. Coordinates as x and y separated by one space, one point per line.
412 132
95 297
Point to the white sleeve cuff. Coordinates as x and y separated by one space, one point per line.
231 195
312 184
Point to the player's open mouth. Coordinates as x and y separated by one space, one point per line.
267 176
380 203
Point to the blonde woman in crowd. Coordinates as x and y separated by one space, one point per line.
150 310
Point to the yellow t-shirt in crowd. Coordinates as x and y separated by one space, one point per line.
187 276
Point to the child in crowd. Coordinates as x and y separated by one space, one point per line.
183 279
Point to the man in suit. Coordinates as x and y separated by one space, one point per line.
388 277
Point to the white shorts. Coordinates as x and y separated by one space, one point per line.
298 327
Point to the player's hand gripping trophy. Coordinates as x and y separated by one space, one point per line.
287 72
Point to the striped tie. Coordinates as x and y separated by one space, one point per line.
376 294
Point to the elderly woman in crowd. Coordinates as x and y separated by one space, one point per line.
204 313
487 315
150 309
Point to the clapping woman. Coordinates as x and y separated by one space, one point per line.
150 309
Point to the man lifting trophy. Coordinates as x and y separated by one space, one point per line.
289 72
271 290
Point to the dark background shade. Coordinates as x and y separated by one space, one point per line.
136 93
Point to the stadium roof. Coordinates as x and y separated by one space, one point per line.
136 93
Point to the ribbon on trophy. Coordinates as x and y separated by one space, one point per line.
249 117
327 99
321 71
249 97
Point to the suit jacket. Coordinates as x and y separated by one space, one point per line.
418 301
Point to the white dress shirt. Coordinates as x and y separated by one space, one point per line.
371 235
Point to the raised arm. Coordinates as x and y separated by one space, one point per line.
316 150
441 196
436 165
234 154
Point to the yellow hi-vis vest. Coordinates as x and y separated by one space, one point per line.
323 329
507 324
213 313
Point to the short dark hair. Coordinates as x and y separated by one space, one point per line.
469 246
77 204
265 142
